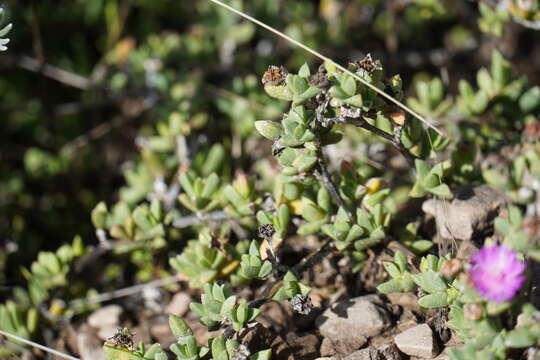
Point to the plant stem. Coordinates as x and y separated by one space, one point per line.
395 139
322 174
327 59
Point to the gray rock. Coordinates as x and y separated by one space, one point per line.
106 332
90 347
418 341
387 352
179 304
470 214
105 317
350 319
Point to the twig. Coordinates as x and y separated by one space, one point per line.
191 220
39 346
302 266
324 58
63 76
321 173
311 258
394 139
131 290
83 140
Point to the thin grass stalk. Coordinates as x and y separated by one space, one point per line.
39 346
324 58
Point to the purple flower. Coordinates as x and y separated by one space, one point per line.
497 273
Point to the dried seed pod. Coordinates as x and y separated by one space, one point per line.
301 304
367 64
398 117
451 268
122 338
266 231
274 75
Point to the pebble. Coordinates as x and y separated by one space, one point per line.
105 317
179 304
418 341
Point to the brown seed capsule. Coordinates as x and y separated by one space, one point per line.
274 75
398 117
301 304
266 231
451 268
122 338
367 64
473 311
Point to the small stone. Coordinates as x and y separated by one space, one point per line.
90 347
469 215
418 341
342 347
179 304
406 300
387 352
347 320
106 332
160 330
105 317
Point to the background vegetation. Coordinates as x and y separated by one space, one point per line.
127 123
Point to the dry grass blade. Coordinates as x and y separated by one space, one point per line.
39 346
324 58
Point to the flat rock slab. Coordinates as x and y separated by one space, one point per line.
418 341
469 215
350 319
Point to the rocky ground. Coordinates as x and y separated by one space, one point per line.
349 320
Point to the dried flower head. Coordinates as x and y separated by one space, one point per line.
275 75
266 231
122 338
451 268
301 304
367 64
241 353
497 273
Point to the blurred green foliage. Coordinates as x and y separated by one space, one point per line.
143 118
